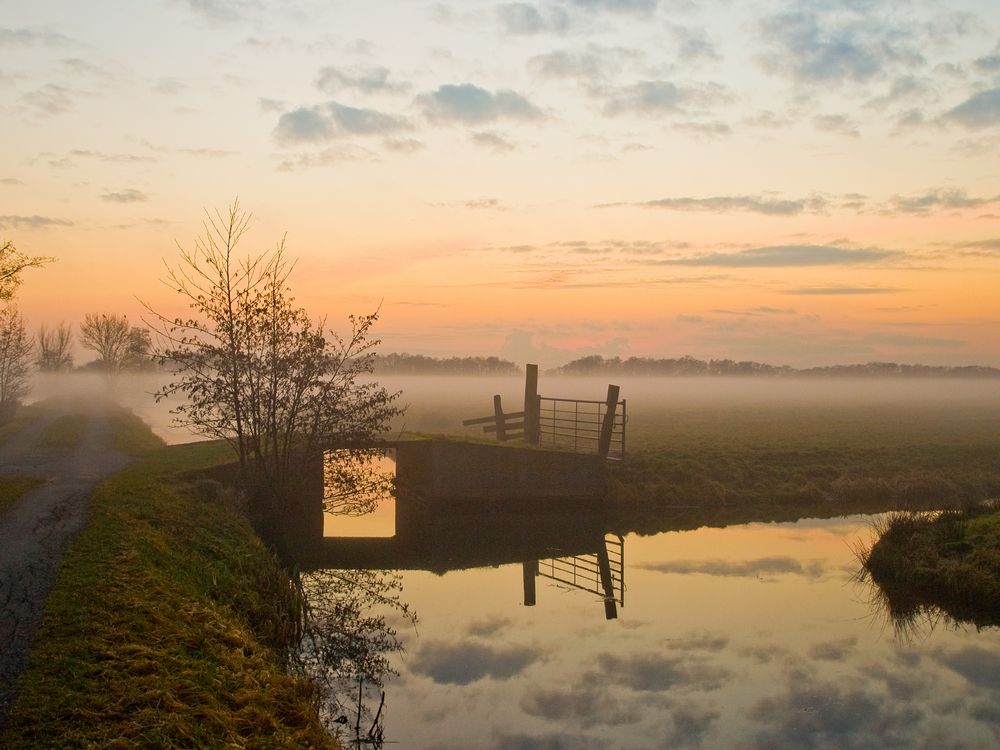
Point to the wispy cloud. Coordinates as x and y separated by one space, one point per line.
494 141
332 120
758 568
526 19
940 198
660 97
327 157
32 222
839 291
30 36
468 104
779 256
839 124
818 43
334 80
979 111
51 99
758 204
129 195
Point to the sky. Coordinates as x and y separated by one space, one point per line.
801 183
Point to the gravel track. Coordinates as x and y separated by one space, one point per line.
38 528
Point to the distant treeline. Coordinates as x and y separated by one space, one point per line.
418 364
597 365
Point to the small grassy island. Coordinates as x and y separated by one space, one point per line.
948 560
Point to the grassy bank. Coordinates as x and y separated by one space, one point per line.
164 626
947 560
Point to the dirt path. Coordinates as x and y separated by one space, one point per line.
37 529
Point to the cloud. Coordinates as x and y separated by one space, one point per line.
32 222
585 705
489 626
208 153
659 97
690 725
51 99
837 650
265 104
464 663
493 141
559 741
347 152
10 181
655 673
475 203
982 110
759 568
469 104
693 44
782 256
524 19
941 198
831 44
169 86
129 195
758 204
333 80
332 120
838 291
592 65
642 7
222 11
839 124
32 36
813 714
403 145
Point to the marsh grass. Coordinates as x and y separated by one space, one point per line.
166 625
947 561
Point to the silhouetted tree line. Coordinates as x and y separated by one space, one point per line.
418 364
689 366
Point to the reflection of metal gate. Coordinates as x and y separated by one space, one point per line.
577 425
601 573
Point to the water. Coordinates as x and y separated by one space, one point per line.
751 636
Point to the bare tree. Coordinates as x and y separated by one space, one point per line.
54 348
107 336
12 262
260 374
16 349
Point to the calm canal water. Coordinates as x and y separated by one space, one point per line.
751 636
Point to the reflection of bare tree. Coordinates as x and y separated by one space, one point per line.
347 643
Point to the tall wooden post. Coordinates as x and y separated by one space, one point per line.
608 426
531 415
529 569
607 582
500 423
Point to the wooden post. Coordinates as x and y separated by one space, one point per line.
607 582
498 414
529 569
531 415
608 426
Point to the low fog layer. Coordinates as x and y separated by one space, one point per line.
439 403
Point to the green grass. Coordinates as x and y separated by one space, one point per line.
165 624
948 560
11 488
854 457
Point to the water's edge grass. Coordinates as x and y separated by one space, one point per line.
165 624
948 560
